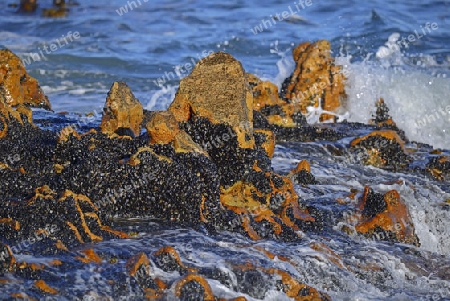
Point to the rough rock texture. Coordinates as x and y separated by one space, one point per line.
122 111
258 201
61 221
16 86
212 170
316 80
383 121
277 111
217 89
386 218
205 163
382 117
193 284
439 168
383 149
302 174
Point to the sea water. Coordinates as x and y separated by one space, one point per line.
149 48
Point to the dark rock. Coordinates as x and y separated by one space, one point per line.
382 149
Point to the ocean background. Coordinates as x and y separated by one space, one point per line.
152 38
147 43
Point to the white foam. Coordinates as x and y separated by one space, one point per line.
418 102
417 96
162 98
431 220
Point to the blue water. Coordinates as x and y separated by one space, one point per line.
148 42
142 45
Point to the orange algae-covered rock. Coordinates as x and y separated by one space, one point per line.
44 287
382 117
266 94
168 259
16 86
297 290
259 286
386 218
302 173
28 6
439 167
217 89
194 287
137 263
255 208
316 79
277 111
269 141
382 149
122 111
162 127
82 225
139 268
89 256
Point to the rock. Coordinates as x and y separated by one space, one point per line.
263 280
382 120
16 86
382 117
168 259
7 260
302 174
295 289
55 13
162 127
122 110
386 218
62 220
223 128
266 140
382 149
139 268
217 89
253 80
276 110
315 78
45 288
9 115
89 256
439 168
193 287
28 5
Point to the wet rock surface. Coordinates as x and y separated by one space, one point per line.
204 164
386 217
316 81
